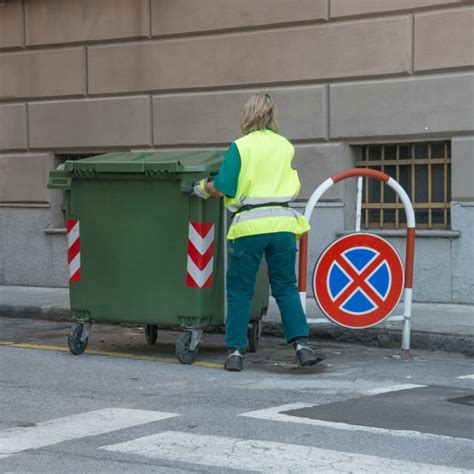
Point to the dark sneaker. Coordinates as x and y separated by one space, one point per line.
234 361
307 354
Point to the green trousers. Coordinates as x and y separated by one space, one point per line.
245 255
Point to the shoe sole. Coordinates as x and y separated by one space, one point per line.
312 362
233 369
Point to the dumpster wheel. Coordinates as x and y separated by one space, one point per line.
151 334
253 335
78 338
184 353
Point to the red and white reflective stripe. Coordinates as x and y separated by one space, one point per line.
200 255
410 244
73 250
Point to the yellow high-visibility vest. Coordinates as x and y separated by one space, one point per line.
266 177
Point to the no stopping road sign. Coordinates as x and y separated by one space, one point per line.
358 280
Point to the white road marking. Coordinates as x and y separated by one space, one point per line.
275 414
262 456
46 433
328 383
393 388
471 376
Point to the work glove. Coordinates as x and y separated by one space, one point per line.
199 189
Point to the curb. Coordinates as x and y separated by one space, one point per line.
385 338
379 337
48 313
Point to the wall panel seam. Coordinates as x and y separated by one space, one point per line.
415 10
444 71
151 124
86 70
27 125
452 268
328 112
29 51
52 98
26 23
412 39
12 49
150 21
23 22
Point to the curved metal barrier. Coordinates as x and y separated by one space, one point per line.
410 242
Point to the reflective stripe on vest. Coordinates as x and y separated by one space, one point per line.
265 212
268 220
246 201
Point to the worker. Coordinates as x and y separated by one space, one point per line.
257 182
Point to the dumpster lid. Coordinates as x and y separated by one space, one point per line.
141 162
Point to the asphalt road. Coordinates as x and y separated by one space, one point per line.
125 406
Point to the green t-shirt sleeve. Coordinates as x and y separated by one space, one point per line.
228 177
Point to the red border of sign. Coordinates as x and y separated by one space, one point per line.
324 263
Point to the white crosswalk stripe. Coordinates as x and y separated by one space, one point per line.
16 440
224 452
262 456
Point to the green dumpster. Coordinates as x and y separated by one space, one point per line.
142 250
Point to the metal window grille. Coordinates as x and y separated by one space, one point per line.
424 171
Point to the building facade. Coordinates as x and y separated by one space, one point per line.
387 84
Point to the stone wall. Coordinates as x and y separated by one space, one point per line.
100 75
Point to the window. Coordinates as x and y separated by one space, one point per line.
422 169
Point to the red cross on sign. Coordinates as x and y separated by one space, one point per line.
358 280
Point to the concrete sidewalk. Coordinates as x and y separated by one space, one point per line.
434 326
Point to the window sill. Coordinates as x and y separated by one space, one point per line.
420 233
26 205
58 231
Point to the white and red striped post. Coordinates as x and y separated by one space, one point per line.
73 250
200 255
410 240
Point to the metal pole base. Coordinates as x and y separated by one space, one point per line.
406 354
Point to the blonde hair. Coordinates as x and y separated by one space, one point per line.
259 113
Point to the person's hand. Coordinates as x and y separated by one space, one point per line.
199 189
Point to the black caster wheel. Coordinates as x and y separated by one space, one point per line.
76 345
151 334
183 348
253 335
